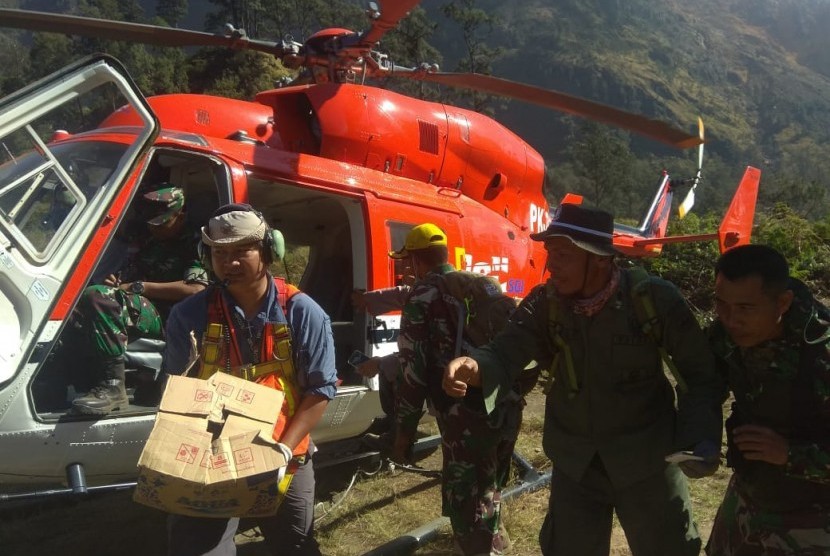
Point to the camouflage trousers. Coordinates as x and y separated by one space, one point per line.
110 317
477 450
743 529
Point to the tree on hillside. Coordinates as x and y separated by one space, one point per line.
806 197
171 11
408 45
242 14
234 73
798 240
154 69
476 24
14 59
690 265
302 18
603 159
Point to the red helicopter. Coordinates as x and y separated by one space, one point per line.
342 168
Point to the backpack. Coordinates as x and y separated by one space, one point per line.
479 304
484 309
646 313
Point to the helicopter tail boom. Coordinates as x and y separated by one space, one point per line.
736 226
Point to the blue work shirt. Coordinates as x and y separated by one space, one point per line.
311 338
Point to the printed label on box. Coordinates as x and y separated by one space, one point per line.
203 395
220 460
187 453
225 389
245 396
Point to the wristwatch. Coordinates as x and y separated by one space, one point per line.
137 287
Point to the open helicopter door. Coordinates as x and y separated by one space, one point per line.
390 220
62 192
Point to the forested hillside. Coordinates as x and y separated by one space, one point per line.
757 71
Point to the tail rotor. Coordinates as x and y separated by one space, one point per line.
689 201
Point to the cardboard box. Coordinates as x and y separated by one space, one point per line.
211 451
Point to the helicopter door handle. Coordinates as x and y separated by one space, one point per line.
379 333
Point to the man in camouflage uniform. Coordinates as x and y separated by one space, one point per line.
771 343
162 268
476 447
611 418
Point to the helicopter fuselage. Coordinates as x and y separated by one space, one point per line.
342 170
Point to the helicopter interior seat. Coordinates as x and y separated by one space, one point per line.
201 203
200 177
144 354
197 177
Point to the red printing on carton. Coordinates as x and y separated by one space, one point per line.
187 453
225 389
243 456
245 396
203 395
220 460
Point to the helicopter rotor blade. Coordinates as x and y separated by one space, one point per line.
133 32
562 102
385 19
689 200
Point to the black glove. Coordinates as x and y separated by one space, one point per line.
705 467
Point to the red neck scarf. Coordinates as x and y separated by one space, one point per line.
594 304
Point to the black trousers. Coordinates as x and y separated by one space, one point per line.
290 532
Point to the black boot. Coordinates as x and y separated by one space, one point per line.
109 395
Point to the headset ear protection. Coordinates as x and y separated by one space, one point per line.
273 244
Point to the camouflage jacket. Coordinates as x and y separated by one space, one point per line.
783 384
425 345
154 260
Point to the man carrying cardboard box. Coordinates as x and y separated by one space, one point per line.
252 325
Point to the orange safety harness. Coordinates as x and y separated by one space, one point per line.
275 369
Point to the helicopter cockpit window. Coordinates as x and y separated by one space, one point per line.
50 172
41 191
401 268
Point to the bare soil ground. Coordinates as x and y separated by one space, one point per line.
381 505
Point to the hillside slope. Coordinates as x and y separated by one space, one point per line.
756 70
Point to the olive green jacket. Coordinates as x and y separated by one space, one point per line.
625 409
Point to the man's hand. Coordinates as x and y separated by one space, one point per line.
761 444
287 454
696 469
460 373
359 299
369 368
112 281
285 450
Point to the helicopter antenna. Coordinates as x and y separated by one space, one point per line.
689 201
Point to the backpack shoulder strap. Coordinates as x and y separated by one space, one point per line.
285 292
650 324
440 281
562 347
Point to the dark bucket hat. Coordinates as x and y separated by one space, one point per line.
588 229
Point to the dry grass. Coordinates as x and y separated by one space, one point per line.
378 507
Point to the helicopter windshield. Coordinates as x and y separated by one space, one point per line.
40 194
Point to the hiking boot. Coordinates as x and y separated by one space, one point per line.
109 395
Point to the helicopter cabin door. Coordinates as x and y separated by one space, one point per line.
62 191
389 223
